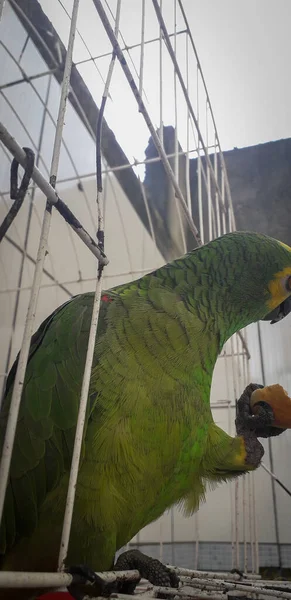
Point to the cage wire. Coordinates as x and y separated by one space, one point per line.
128 68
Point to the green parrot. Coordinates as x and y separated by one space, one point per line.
150 440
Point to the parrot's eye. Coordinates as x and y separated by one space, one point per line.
288 284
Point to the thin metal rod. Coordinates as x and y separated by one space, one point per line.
184 90
248 588
250 524
144 195
2 2
67 523
136 163
26 78
172 536
12 145
22 579
196 522
245 555
229 199
176 168
62 285
80 428
236 488
276 479
23 127
255 525
274 495
54 283
216 195
126 48
26 235
24 351
209 199
200 203
161 545
44 104
142 44
223 200
161 132
187 174
181 571
146 116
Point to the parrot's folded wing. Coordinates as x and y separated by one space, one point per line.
48 414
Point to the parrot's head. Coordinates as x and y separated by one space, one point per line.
254 278
277 289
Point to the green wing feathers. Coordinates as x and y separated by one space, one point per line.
47 417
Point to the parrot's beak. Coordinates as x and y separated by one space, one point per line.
278 399
280 312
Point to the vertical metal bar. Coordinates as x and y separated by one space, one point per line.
176 150
26 236
200 203
173 537
199 178
196 517
245 559
251 525
176 147
223 200
188 188
161 79
147 211
255 525
245 551
274 496
67 523
236 488
229 214
141 64
209 204
155 136
24 351
80 428
2 2
161 549
216 194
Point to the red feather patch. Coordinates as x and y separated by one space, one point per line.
106 298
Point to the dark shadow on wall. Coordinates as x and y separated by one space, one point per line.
260 183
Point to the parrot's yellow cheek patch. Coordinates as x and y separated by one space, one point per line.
279 401
285 246
277 289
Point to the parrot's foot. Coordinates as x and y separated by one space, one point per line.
260 424
149 568
85 582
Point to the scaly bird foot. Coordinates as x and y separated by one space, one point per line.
149 568
261 423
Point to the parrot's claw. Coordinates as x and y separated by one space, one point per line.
149 568
83 578
261 423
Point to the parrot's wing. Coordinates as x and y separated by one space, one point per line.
48 413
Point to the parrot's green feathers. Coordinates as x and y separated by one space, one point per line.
48 414
149 439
